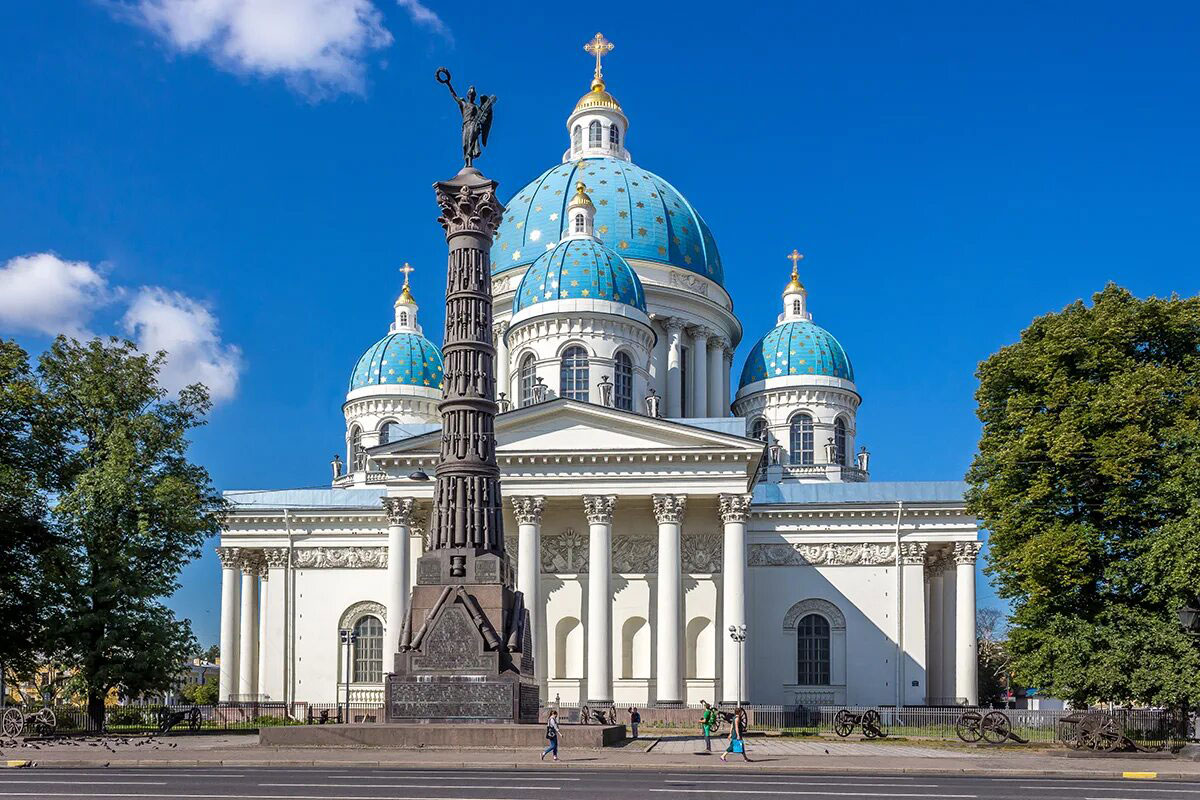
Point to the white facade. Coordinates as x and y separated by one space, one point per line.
641 534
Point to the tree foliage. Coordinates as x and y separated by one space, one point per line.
202 694
1088 479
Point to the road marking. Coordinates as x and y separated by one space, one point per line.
406 786
1139 774
234 796
1116 789
90 782
808 783
456 774
821 794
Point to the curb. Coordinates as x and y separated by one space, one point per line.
15 764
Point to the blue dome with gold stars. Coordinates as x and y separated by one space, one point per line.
580 269
638 215
405 358
796 348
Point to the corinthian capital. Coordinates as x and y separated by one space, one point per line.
400 511
468 208
599 507
966 552
670 508
275 557
735 507
528 510
251 561
499 329
913 552
231 557
675 324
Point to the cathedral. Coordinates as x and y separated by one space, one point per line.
676 537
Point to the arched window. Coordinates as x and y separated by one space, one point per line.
577 138
614 138
623 380
758 429
812 651
796 307
403 317
573 377
579 223
368 651
358 453
595 134
839 440
527 376
802 439
390 432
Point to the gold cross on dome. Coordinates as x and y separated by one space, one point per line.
599 47
406 269
796 256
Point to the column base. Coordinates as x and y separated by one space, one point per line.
668 704
599 703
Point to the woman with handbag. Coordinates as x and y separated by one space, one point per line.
737 734
551 735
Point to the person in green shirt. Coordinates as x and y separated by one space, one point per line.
709 723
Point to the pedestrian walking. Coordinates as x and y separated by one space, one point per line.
552 734
635 719
737 735
709 723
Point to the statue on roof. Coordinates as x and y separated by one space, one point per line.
476 117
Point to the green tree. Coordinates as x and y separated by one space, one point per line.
992 650
130 512
25 540
202 694
1088 479
211 654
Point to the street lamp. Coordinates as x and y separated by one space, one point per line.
1189 618
738 634
348 638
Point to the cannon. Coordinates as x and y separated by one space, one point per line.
870 721
993 727
15 721
599 716
1097 731
168 719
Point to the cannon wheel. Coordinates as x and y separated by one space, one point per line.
1108 735
13 722
843 723
1087 730
996 727
47 721
193 719
870 724
968 727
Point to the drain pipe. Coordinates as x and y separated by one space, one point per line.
289 624
899 612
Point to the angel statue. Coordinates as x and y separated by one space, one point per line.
476 118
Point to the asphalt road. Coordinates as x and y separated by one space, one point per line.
551 783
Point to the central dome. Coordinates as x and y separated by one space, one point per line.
638 215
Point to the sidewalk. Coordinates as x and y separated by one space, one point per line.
778 756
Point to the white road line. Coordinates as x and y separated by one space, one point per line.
235 796
457 775
802 782
810 775
1122 788
88 781
823 794
407 786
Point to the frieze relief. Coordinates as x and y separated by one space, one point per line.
688 282
635 554
828 555
565 552
339 557
702 552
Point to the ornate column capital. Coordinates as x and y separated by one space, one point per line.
468 208
250 560
401 511
729 354
735 507
275 557
670 508
528 509
913 552
231 557
599 507
718 343
701 332
966 552
499 329
675 324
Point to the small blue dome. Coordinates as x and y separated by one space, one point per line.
796 348
580 269
404 358
638 215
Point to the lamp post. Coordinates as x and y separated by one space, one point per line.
348 638
738 634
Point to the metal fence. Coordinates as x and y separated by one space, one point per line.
152 718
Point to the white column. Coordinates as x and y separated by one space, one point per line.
700 338
717 401
248 635
502 366
599 511
674 368
735 511
669 510
528 512
230 561
912 559
262 641
949 620
272 642
933 684
966 680
726 377
400 514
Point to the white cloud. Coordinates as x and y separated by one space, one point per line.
318 46
423 15
159 319
45 294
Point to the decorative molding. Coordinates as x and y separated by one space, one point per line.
635 554
913 552
735 507
339 557
675 324
231 557
361 609
250 560
828 555
814 605
702 552
688 282
276 557
465 211
598 508
501 284
966 552
670 508
401 511
528 510
565 552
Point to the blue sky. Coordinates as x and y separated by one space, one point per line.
241 189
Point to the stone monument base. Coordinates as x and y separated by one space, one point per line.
463 736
